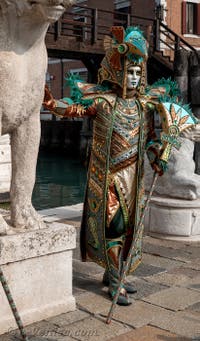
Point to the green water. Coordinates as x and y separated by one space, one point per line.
60 181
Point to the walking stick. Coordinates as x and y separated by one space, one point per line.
131 251
12 305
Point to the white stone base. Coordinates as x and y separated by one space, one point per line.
5 164
173 219
38 268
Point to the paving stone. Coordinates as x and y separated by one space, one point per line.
94 303
149 333
77 291
186 326
192 250
88 268
17 337
85 283
94 329
147 270
137 314
177 254
160 261
174 244
169 279
43 329
195 307
57 338
8 337
189 315
185 271
193 283
195 265
144 288
68 318
174 298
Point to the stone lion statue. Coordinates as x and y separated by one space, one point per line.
23 64
180 181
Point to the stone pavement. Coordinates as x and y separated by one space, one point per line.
166 306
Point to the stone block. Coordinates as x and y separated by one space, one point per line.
159 261
92 329
138 314
38 267
174 218
144 270
174 298
5 140
183 324
5 153
94 303
149 333
169 279
5 164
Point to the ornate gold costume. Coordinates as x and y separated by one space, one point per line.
122 128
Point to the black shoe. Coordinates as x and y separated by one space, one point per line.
127 286
123 298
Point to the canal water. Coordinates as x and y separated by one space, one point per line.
60 181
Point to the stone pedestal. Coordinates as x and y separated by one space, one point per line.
5 164
38 268
176 219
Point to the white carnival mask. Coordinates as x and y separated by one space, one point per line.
133 76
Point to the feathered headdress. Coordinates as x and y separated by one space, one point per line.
124 47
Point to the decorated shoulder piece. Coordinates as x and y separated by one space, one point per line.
85 93
82 101
175 119
163 90
175 116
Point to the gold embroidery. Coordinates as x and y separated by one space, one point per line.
95 188
93 229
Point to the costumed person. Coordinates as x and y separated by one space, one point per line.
123 129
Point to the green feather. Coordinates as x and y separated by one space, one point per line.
76 94
172 89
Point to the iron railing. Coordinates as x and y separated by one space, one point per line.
90 25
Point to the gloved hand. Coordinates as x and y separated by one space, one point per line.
159 166
48 102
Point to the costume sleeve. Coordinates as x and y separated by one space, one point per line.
66 107
154 146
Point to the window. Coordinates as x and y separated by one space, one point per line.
191 17
122 5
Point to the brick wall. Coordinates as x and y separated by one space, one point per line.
57 70
174 21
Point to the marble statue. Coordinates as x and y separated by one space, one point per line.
23 64
180 181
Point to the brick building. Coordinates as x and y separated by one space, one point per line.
181 16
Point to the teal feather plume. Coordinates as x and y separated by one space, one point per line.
76 94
